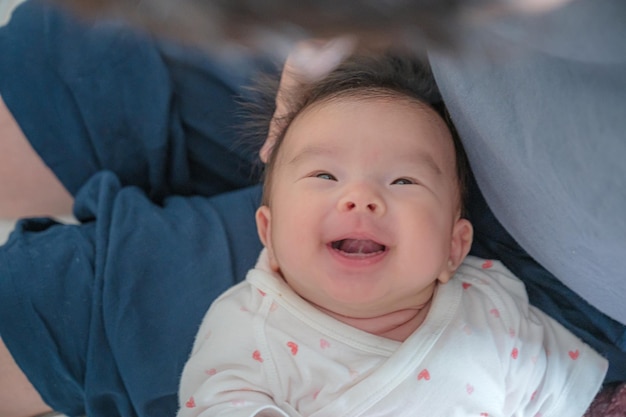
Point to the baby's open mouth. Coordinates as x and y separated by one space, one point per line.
358 246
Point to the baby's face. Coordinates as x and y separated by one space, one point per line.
364 206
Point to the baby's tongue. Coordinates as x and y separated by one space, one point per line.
359 246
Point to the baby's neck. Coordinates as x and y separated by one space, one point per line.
397 325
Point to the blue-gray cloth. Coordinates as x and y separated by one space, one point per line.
540 103
101 316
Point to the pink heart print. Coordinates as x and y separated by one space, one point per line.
514 353
293 346
423 375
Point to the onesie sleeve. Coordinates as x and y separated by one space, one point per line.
226 373
548 370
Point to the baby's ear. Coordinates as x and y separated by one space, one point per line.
264 229
263 219
460 245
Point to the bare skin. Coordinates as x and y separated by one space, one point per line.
18 398
29 187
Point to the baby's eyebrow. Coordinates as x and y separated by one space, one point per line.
312 151
422 159
419 159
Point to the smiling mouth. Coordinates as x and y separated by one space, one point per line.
358 247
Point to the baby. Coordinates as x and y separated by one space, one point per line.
364 301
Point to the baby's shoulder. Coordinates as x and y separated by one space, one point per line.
489 278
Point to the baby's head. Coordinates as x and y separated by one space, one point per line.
364 188
394 77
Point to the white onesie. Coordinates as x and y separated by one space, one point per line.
482 351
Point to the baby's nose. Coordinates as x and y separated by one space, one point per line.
351 205
362 198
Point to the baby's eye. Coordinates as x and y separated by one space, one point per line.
403 181
325 176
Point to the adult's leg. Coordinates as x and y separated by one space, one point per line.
18 397
27 186
95 98
101 316
100 96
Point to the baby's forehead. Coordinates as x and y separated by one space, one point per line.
336 117
383 98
